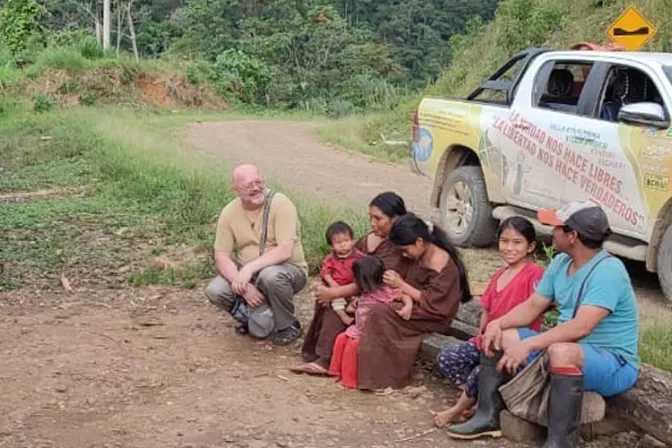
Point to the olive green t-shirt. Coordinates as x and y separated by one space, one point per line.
239 232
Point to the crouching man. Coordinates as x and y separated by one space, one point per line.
260 260
594 345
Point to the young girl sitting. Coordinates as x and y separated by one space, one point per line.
369 279
510 286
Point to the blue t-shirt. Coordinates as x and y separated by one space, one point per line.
608 287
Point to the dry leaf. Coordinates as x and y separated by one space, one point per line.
66 284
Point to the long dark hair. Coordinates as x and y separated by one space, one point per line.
407 229
368 273
390 203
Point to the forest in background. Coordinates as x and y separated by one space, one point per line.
335 57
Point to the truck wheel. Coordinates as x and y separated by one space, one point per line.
466 212
664 263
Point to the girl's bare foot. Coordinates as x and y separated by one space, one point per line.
443 418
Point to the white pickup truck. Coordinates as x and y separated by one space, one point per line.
550 127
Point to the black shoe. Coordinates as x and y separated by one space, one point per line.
564 411
288 335
241 328
485 421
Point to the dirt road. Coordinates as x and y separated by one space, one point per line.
161 368
289 152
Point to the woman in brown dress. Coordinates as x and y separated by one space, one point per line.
326 325
436 281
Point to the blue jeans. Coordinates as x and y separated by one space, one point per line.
604 371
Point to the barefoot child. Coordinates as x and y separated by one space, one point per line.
373 292
337 266
510 286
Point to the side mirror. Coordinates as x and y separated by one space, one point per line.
645 114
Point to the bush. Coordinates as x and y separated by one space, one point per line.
246 77
199 72
42 103
61 58
90 48
81 41
19 24
88 98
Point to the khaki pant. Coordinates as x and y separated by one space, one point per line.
278 284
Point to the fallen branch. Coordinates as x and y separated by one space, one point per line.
417 436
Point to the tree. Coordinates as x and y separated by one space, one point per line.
19 25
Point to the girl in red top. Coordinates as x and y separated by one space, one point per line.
510 286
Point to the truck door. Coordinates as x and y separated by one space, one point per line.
548 113
628 165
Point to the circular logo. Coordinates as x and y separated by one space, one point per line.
422 149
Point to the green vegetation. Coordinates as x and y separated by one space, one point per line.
330 57
483 47
655 345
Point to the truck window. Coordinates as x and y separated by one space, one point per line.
498 96
626 85
559 84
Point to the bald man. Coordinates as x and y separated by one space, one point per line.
258 286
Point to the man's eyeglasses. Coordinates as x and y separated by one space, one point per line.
253 185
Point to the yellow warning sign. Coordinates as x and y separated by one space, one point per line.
631 29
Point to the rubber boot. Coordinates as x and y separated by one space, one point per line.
564 411
485 421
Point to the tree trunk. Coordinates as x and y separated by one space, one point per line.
119 19
106 24
99 32
131 28
99 27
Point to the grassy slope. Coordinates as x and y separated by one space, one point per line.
518 24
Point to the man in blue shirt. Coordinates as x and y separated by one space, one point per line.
594 345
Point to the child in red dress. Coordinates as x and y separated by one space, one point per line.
368 274
337 266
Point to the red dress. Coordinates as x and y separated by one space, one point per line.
340 269
517 291
344 357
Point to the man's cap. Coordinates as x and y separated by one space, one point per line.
585 217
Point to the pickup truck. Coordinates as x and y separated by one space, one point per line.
551 127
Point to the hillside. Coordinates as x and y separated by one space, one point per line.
70 76
518 24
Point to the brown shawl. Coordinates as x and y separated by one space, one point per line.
326 325
389 345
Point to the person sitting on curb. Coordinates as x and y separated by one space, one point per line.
258 285
594 345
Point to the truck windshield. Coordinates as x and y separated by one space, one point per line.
668 72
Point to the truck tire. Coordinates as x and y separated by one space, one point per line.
466 212
664 264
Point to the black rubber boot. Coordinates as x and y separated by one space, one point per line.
485 421
564 411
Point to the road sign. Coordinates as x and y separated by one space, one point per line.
631 30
